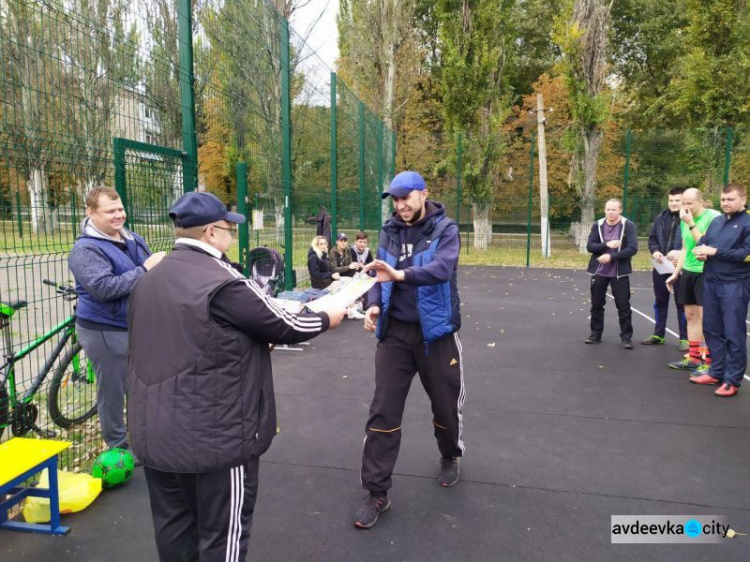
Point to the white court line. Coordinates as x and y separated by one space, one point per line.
653 321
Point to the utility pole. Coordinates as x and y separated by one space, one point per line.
541 121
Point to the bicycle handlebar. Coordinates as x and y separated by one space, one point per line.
67 291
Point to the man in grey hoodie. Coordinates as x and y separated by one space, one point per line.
107 261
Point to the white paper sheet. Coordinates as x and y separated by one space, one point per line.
665 267
346 295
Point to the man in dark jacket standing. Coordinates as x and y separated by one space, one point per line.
201 399
726 292
107 261
665 244
417 311
613 241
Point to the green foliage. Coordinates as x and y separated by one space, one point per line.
711 82
476 38
590 109
647 40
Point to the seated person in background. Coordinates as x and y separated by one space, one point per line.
341 258
321 274
360 252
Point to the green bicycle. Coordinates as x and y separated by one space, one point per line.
71 395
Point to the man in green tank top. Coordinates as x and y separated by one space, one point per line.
695 219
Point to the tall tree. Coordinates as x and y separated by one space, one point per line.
477 40
29 97
647 42
100 51
582 35
372 34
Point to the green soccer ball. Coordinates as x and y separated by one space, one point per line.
114 467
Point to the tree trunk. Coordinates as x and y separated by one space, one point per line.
278 211
592 144
37 186
482 226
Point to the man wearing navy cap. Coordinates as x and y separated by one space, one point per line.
414 310
201 401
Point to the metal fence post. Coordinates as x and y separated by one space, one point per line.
286 152
531 191
120 180
728 154
334 163
626 179
361 165
244 228
393 154
379 132
187 96
459 173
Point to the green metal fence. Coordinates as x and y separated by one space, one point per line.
638 167
155 98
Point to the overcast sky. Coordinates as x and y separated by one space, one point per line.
324 38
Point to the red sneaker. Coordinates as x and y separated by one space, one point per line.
726 390
704 379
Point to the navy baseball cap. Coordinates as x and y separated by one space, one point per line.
342 236
198 208
404 183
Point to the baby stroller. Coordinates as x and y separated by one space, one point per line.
267 269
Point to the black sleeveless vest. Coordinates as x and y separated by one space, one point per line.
200 396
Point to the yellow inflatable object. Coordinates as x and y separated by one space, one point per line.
77 491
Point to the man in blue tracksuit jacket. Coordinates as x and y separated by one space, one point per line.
726 292
415 312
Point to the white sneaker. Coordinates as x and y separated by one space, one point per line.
354 315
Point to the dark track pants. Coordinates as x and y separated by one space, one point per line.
621 292
661 306
399 356
203 517
724 315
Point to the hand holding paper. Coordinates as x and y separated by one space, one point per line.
384 272
345 296
663 267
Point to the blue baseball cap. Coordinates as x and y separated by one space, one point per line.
404 183
198 208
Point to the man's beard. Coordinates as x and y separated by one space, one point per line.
416 215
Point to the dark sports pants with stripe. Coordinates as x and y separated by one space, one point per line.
203 517
400 355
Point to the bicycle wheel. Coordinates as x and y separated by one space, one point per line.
72 391
4 406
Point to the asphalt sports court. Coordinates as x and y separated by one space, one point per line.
559 436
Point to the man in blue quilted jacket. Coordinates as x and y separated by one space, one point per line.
414 310
107 261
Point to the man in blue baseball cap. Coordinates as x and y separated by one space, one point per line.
414 310
201 401
404 183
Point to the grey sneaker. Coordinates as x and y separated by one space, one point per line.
368 514
449 472
684 345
